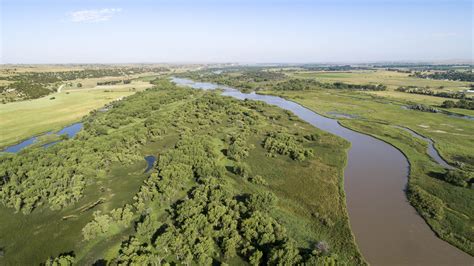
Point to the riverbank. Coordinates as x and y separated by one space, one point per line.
403 222
455 226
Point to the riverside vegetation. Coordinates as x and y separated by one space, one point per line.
443 197
236 182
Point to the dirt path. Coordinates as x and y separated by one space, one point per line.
60 88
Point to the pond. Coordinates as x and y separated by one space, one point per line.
150 161
70 131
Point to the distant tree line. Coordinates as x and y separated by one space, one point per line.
113 82
463 104
310 84
429 91
424 67
423 108
449 75
311 67
246 79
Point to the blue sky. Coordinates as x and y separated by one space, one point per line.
186 31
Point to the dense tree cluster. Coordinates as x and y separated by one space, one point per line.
311 84
297 85
113 82
363 87
61 260
311 67
428 91
423 108
58 76
244 79
458 177
212 223
424 67
286 144
449 75
26 89
463 104
399 70
101 223
58 175
426 202
238 147
262 76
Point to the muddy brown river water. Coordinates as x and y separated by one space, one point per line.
387 228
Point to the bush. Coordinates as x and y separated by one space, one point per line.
241 169
286 144
457 177
426 203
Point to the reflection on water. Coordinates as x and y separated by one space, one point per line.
150 160
71 131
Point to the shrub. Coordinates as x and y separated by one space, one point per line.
457 177
426 203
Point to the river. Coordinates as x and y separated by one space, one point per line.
386 227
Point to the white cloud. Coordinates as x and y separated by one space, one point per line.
93 15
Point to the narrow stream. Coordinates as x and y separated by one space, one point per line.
70 131
431 149
387 228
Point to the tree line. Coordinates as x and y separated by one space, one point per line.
463 104
449 75
428 91
310 84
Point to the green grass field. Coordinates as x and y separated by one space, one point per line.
391 79
23 119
